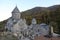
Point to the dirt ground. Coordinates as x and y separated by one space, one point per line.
45 38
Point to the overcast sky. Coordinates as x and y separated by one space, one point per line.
6 6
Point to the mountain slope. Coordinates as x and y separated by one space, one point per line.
42 14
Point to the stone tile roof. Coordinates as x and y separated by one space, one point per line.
16 10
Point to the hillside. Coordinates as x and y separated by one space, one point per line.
2 24
49 15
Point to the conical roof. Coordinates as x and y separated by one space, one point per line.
16 10
33 21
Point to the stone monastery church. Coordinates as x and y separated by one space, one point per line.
17 25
